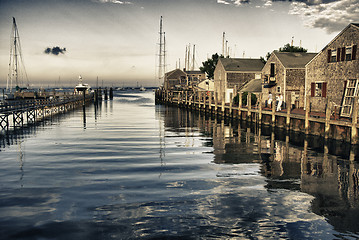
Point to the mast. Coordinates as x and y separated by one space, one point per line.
161 55
193 58
15 58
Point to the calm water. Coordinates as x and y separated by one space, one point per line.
128 169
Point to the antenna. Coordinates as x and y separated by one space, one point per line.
223 43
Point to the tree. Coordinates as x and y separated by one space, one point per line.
267 57
210 65
289 48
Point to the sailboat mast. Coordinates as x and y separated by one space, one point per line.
193 58
15 57
160 54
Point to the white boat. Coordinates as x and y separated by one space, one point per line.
142 89
81 87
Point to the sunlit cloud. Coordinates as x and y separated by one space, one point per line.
233 2
331 16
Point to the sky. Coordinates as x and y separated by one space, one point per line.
117 41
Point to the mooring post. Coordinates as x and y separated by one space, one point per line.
307 110
354 135
327 119
289 106
273 109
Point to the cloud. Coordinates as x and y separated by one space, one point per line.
333 16
112 1
55 50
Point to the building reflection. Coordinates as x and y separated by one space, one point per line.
327 170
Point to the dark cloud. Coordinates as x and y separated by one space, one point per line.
332 16
55 50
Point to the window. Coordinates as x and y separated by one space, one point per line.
272 69
333 56
348 54
342 54
319 89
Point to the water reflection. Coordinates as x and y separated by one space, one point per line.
327 170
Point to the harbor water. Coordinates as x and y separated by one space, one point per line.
128 169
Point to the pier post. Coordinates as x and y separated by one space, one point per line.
223 106
111 93
289 106
216 102
260 108
273 109
327 119
230 104
307 110
354 135
249 106
240 105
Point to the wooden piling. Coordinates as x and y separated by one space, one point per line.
327 119
307 111
354 132
273 109
289 106
260 108
249 106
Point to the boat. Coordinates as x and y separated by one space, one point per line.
142 89
83 87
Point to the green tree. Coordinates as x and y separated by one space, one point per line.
244 99
289 48
209 65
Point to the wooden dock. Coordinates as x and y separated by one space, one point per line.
16 114
325 124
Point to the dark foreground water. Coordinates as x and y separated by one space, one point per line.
128 169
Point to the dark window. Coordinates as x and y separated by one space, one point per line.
272 69
348 53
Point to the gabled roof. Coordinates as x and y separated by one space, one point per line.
242 64
175 74
355 25
193 72
254 85
294 59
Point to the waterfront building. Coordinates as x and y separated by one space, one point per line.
332 75
233 73
175 79
194 78
205 86
284 73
